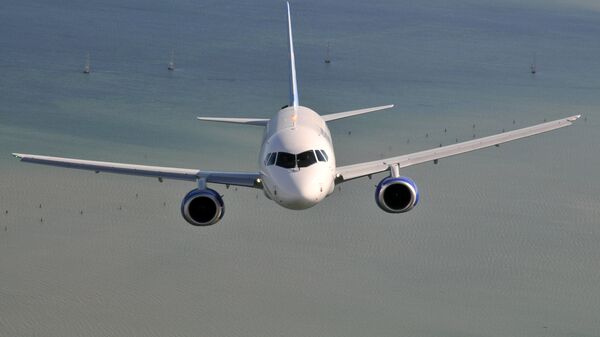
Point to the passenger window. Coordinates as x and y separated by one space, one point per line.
286 160
325 155
272 159
320 156
306 158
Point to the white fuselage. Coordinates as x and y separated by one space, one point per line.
297 183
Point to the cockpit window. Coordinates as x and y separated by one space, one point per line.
306 158
320 156
325 155
286 160
272 159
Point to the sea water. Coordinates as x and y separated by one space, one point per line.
503 243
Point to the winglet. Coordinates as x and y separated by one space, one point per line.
573 118
17 155
293 82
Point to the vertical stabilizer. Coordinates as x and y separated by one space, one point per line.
293 82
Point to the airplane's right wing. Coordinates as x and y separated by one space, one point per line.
247 179
345 173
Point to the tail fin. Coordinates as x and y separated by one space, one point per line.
293 82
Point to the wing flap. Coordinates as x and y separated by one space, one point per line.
227 178
345 173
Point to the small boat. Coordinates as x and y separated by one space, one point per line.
171 65
87 68
327 57
533 67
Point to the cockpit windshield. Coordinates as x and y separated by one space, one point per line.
306 158
290 161
286 160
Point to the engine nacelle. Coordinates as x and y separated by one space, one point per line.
397 195
202 207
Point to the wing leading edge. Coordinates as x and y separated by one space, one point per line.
349 172
160 172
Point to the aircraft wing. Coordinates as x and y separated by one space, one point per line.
225 178
345 173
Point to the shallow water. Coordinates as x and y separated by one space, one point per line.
504 242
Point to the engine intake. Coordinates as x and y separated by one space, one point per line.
202 207
397 195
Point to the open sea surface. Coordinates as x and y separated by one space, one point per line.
505 241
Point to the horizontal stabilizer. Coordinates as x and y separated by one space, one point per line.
247 121
340 115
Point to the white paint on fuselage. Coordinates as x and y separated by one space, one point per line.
295 130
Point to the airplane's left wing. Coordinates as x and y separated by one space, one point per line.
345 173
160 172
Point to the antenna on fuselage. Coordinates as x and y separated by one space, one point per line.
293 83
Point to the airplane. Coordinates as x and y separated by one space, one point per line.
297 163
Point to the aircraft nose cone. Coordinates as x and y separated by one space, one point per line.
303 194
310 192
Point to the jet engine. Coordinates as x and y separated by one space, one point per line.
202 207
397 195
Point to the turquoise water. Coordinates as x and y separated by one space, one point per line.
504 242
